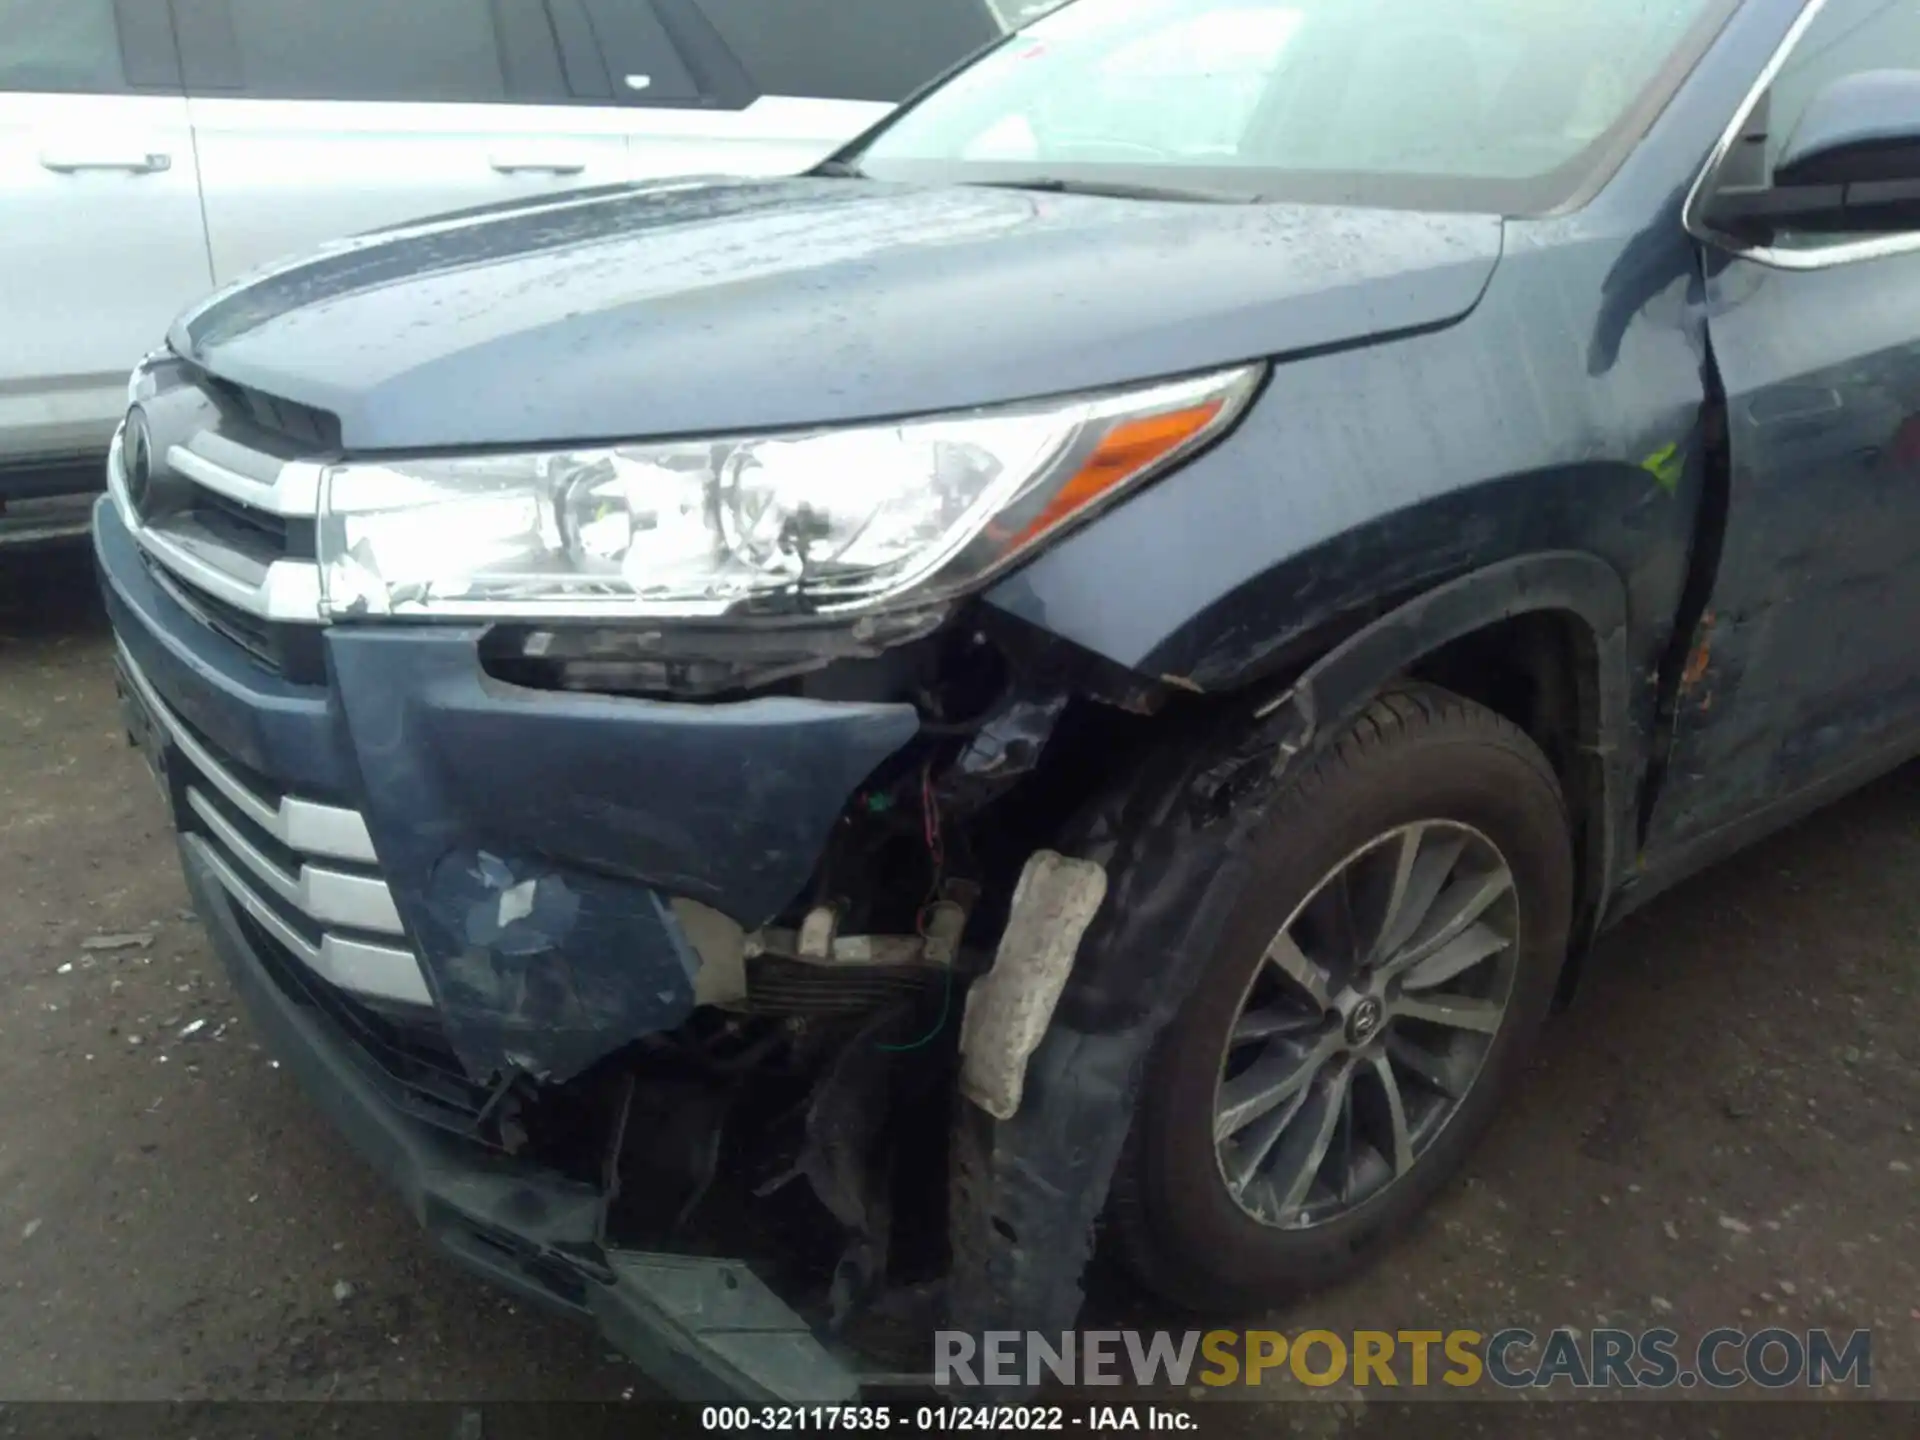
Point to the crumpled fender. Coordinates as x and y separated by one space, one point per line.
1173 839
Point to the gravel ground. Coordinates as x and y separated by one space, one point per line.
1722 1132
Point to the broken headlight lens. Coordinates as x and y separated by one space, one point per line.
814 522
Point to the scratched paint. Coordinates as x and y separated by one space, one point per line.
1700 656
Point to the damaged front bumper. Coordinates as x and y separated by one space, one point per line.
568 966
706 1329
444 899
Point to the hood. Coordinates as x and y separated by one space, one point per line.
719 307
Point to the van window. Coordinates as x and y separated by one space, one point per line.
849 49
64 45
369 50
642 64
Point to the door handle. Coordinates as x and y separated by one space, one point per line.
535 165
63 163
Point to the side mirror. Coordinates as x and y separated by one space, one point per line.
1863 129
1852 164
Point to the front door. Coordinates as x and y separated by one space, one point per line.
1805 672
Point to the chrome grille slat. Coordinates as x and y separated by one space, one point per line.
375 970
270 919
328 896
235 559
221 465
322 895
371 970
284 589
303 825
255 486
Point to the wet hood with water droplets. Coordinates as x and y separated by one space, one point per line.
718 307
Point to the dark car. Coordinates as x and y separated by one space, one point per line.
1085 672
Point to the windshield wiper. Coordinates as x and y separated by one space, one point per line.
839 170
1123 190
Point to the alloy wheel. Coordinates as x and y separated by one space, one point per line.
1366 1024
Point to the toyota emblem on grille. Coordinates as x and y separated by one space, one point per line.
136 458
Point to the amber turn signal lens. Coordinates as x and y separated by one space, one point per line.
1123 452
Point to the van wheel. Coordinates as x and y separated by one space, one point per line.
1373 998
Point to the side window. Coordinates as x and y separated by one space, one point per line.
849 49
642 65
60 45
1845 37
367 50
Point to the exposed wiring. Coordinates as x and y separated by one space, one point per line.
939 1023
930 818
937 855
610 1164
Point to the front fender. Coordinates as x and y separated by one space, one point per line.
1546 453
1565 413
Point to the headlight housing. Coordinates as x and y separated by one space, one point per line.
817 522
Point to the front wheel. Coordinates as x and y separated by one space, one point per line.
1373 998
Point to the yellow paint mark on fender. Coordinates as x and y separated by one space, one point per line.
1665 465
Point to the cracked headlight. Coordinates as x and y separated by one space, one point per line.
813 522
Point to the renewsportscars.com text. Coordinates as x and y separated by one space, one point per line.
1512 1359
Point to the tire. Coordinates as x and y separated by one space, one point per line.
1415 755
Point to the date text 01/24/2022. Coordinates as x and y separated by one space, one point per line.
936 1419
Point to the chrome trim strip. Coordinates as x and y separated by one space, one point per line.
269 918
1820 258
303 825
374 970
316 829
295 489
358 901
290 590
371 970
117 480
1880 247
327 896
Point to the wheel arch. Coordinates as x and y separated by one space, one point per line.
1557 617
1557 621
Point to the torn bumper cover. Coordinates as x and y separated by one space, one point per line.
526 841
706 1329
532 838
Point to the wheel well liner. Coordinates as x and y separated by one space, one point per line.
1540 671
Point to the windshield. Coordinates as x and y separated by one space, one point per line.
1464 104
